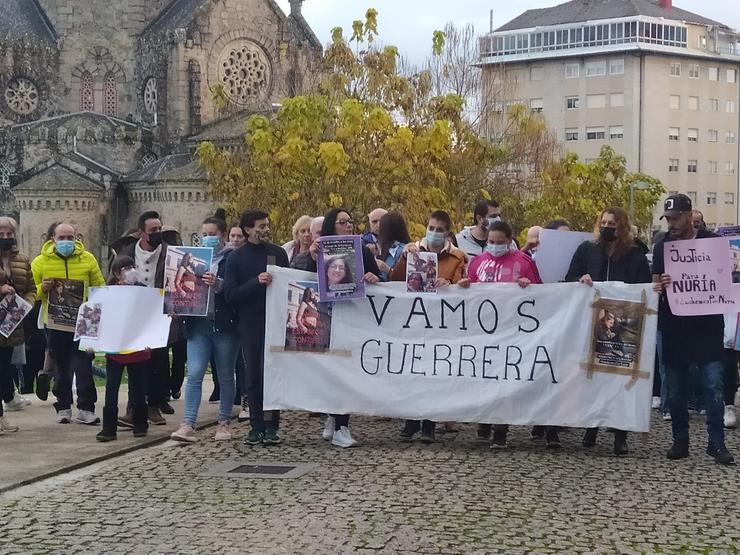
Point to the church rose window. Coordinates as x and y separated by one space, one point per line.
111 96
87 95
244 71
148 158
22 96
150 95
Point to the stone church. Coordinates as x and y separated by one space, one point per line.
103 102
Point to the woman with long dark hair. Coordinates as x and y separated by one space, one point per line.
393 236
613 255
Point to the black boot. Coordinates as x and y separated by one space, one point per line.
552 439
427 431
679 449
721 454
409 430
620 442
589 438
140 415
110 424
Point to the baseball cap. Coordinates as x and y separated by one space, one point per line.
675 204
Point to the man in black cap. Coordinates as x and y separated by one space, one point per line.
689 340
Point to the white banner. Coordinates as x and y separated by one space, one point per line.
558 354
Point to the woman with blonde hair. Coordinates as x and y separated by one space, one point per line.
301 238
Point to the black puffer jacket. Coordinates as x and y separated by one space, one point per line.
591 258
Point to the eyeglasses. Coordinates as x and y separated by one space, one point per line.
345 222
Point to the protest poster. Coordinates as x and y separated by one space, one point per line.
421 272
131 319
340 269
308 326
555 251
13 309
63 303
490 353
617 335
729 231
185 293
88 321
701 276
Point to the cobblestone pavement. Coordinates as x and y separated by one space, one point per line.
456 496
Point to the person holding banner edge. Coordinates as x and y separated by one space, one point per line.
688 340
613 255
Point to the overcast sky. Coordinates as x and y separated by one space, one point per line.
409 24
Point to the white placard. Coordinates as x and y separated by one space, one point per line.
555 252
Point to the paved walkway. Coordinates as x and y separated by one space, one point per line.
43 448
456 496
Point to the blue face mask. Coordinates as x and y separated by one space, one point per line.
435 238
65 248
210 241
497 250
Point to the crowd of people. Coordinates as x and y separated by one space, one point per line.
696 363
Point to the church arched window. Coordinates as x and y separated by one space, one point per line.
87 94
110 96
4 175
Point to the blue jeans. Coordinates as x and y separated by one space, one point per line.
202 343
679 388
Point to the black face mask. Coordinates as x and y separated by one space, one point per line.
155 239
608 234
6 244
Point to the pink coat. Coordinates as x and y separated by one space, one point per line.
486 268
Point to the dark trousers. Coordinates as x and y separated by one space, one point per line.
70 361
137 390
730 381
35 349
7 387
426 426
177 371
340 420
253 347
159 377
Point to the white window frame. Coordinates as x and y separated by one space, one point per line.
730 106
731 75
730 138
674 165
695 101
570 67
671 99
714 104
729 198
596 68
616 66
577 102
730 168
616 132
713 73
692 135
692 166
571 134
713 167
694 71
674 134
713 136
536 105
598 132
675 69
711 198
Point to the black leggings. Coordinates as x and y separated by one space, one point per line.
340 420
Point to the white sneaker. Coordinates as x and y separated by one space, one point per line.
328 433
342 438
185 433
87 417
64 416
16 403
656 403
243 414
667 417
730 417
6 427
223 431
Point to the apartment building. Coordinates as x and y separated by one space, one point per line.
659 84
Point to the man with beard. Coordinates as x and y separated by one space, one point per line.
689 340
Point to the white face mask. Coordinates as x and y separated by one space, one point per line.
497 250
130 276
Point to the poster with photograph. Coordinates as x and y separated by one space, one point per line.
88 321
617 335
63 303
308 327
185 293
421 272
340 268
13 308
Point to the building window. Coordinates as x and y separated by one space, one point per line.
693 135
692 196
673 165
692 166
595 134
713 136
730 138
616 132
693 103
694 71
536 73
702 41
572 71
730 168
617 100
729 198
596 69
616 67
730 106
149 95
572 102
731 75
596 101
571 134
111 96
675 69
713 167
536 105
87 94
713 105
711 198
147 159
674 133
4 175
675 102
714 74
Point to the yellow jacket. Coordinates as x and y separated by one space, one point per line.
80 266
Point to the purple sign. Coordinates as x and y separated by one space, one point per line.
729 231
701 277
340 271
